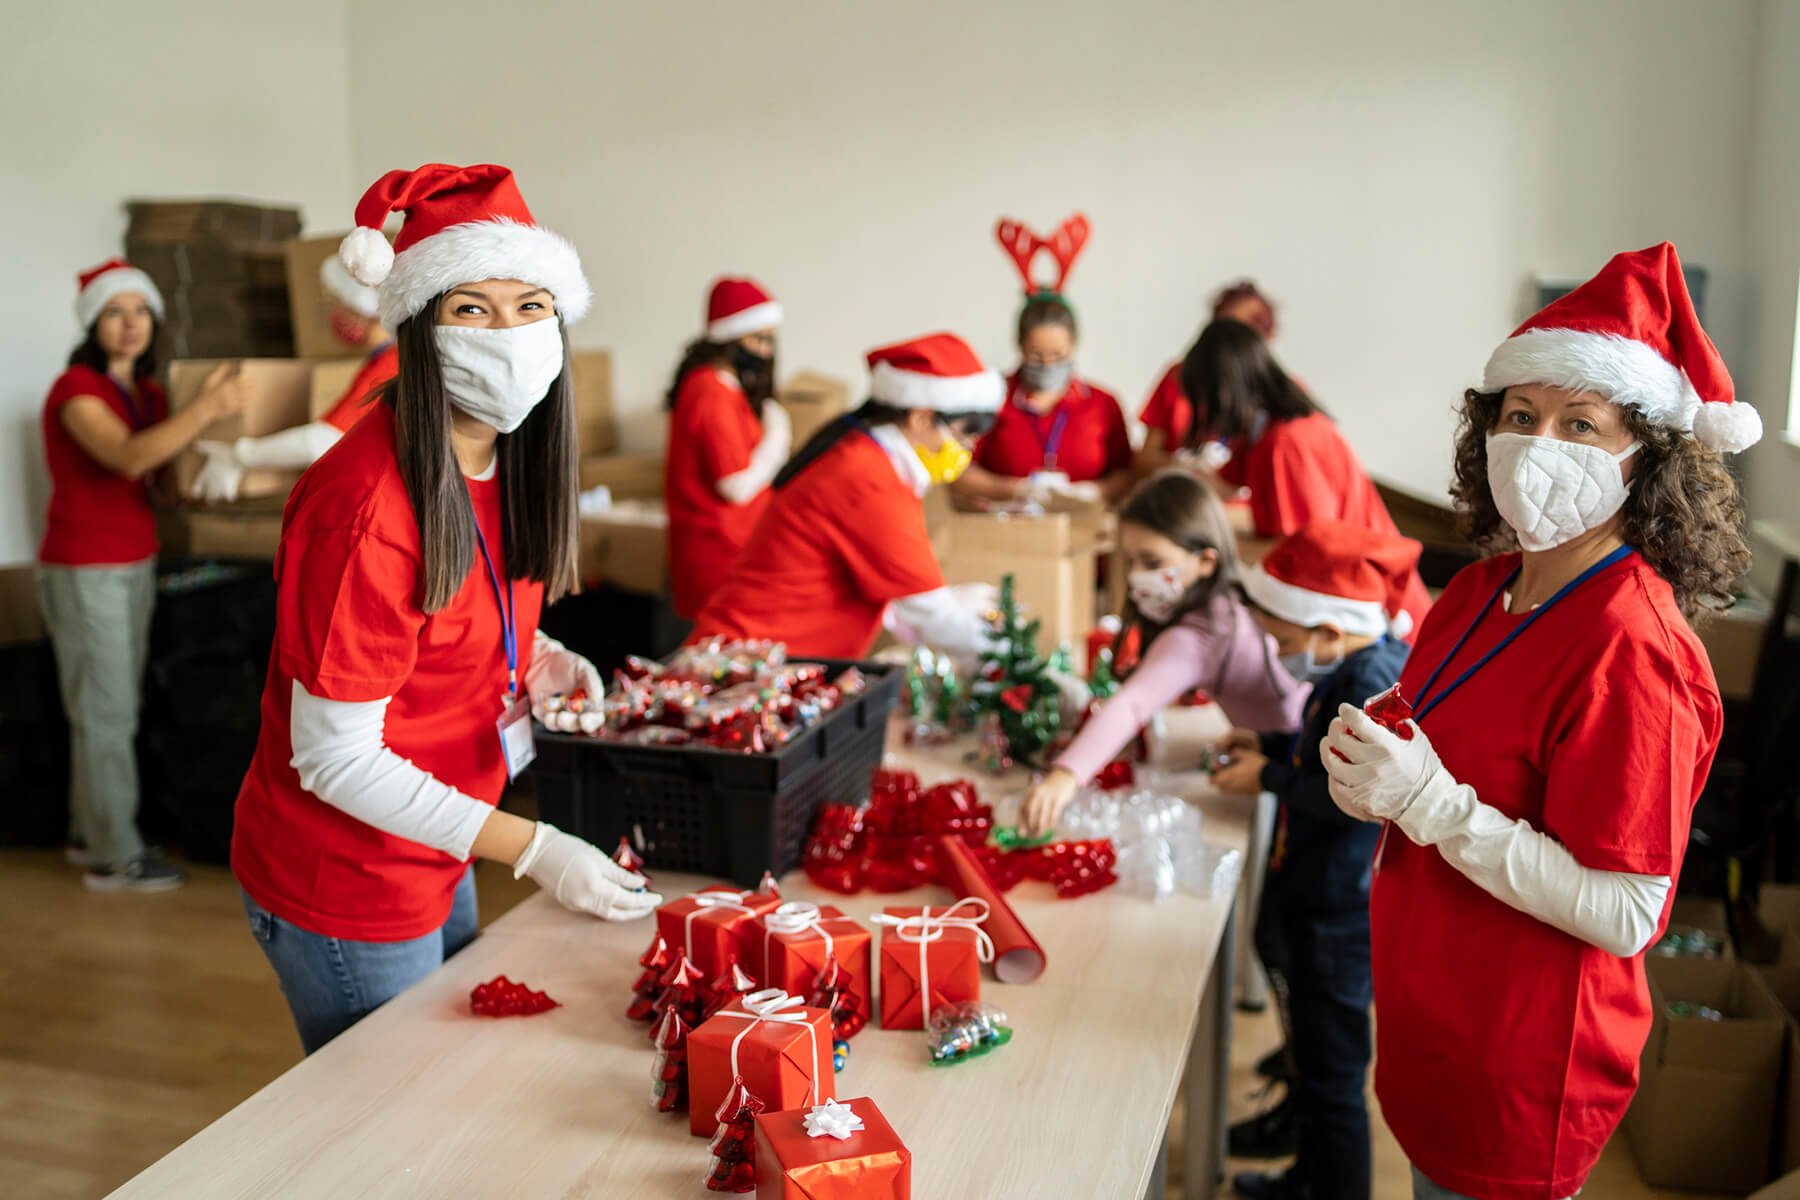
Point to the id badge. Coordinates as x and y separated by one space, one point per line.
516 745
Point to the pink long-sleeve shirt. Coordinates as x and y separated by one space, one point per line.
1218 648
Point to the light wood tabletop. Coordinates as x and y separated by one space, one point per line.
424 1099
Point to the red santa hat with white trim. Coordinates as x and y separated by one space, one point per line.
739 305
939 372
1339 574
462 224
112 277
1631 334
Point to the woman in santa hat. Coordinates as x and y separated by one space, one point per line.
843 544
727 438
1564 718
1056 432
413 563
356 322
107 429
1169 414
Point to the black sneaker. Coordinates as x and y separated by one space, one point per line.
1268 1134
145 873
1258 1185
1274 1065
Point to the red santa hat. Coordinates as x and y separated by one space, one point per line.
1630 333
1336 573
939 372
107 280
462 224
359 299
737 306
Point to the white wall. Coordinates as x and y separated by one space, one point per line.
107 101
1393 172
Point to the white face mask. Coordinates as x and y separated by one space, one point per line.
499 375
1305 666
1552 491
1156 593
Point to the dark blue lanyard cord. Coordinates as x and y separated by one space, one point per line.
508 630
1049 444
138 418
1423 706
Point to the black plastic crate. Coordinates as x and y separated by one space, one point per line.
716 812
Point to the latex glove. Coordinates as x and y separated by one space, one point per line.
982 599
1045 802
582 878
1383 773
777 425
556 669
221 474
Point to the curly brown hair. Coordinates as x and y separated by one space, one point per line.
1684 513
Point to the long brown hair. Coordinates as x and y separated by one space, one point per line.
539 470
758 381
1230 375
1183 508
90 355
1684 513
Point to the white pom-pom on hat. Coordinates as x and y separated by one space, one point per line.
1727 427
366 254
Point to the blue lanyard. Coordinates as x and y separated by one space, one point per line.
139 420
1424 706
1057 422
508 630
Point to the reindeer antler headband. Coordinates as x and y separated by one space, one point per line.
1022 245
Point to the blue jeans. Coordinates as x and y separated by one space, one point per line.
1330 987
1424 1189
332 983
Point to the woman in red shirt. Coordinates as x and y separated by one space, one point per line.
727 438
107 429
1539 798
842 546
1169 414
414 559
1055 431
1290 455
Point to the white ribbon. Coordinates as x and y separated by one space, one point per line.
925 929
795 916
832 1119
772 1004
705 900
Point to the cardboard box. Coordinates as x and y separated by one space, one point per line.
280 398
225 533
308 306
1778 910
229 221
1733 641
1052 558
1705 1112
629 476
331 378
812 400
1785 1188
627 548
1704 914
593 401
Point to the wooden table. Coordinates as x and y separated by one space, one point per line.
423 1099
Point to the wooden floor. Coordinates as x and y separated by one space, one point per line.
127 1023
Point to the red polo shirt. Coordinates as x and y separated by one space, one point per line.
377 369
1084 436
97 516
712 433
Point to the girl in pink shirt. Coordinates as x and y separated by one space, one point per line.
1183 564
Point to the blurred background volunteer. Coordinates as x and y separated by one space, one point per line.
355 322
107 429
1169 413
727 439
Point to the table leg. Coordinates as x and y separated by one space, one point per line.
1252 983
1209 1076
1158 1187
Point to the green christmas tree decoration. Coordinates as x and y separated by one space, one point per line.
1102 682
1013 688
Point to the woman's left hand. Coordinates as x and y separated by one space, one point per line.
1244 776
557 670
1375 774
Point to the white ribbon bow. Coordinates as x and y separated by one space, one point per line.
832 1119
925 928
775 1005
703 901
794 916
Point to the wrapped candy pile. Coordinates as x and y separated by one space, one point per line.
729 695
1156 835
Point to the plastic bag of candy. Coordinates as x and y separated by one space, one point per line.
959 1032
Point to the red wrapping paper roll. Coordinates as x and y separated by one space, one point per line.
1017 956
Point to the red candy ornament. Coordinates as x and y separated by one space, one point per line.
832 992
630 859
501 997
733 982
1391 711
1115 775
733 1146
649 986
668 1071
682 987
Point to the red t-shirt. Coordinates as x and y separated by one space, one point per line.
1303 470
1084 436
348 627
377 369
96 515
712 433
1168 409
841 540
1509 1050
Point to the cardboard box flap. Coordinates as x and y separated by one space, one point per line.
593 400
1785 1188
1778 905
1750 1037
280 398
331 378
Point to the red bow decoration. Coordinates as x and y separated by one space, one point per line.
1016 698
1065 244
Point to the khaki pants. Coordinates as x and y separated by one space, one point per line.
99 622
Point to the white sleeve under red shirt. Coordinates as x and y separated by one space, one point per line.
1508 1050
712 435
349 628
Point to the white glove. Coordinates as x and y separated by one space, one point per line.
777 427
582 878
555 669
979 598
221 474
1384 774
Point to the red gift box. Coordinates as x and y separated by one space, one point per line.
933 952
714 926
781 1049
798 937
794 1163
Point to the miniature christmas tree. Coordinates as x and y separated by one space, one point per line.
733 982
630 859
733 1147
832 992
682 986
648 988
668 1072
1015 687
1102 681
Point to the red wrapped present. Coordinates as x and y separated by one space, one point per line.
832 1151
781 1049
797 939
714 926
930 953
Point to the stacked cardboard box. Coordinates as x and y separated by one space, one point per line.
222 272
1052 557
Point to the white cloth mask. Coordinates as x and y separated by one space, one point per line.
1552 491
499 375
1305 666
1156 593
